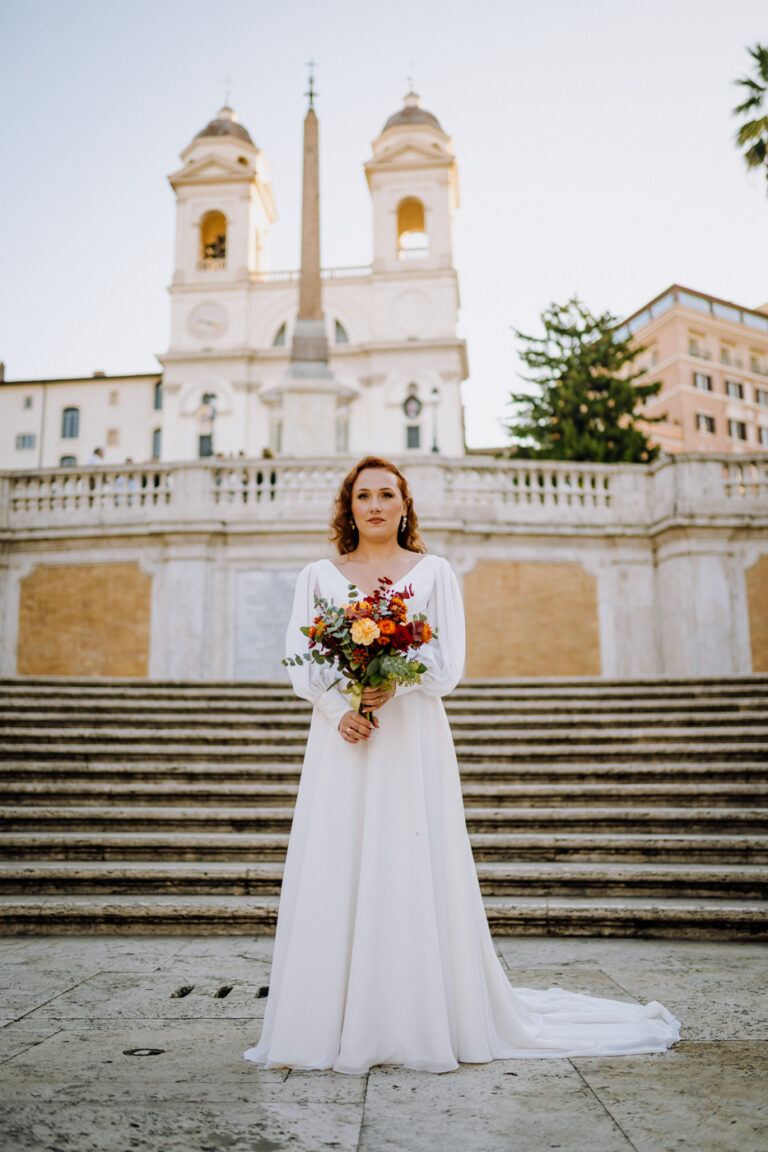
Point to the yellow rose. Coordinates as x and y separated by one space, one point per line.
364 632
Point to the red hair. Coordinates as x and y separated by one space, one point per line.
346 537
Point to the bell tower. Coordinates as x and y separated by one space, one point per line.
224 206
413 181
224 211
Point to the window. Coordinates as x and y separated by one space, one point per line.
705 423
213 240
70 424
725 356
413 436
735 389
26 440
27 402
158 401
761 396
693 347
654 357
113 437
411 229
157 443
279 339
762 435
114 397
67 461
702 381
341 334
205 445
754 364
737 429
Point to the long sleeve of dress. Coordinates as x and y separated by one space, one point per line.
444 655
311 681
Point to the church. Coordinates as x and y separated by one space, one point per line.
314 362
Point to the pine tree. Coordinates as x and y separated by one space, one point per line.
588 395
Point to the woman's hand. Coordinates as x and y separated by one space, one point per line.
354 727
374 697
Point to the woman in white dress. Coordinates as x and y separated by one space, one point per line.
383 953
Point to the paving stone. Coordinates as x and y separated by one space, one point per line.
520 1105
132 996
707 1097
712 1004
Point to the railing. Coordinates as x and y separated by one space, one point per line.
462 493
549 485
746 477
288 276
66 490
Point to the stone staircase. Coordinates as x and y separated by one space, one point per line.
593 806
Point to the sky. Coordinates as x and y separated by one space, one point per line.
594 142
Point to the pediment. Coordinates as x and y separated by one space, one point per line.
408 152
210 168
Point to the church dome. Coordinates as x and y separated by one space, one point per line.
225 123
412 113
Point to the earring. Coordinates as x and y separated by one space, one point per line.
352 525
404 524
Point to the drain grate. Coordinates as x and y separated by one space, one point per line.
183 991
224 991
262 992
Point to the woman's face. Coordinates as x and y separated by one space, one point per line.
377 505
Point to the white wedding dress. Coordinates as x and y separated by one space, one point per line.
383 953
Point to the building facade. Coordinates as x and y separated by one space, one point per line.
390 326
711 357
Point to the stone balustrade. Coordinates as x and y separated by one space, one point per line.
470 490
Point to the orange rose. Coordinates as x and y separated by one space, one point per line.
386 627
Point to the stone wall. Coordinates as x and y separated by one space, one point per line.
84 620
531 619
186 571
757 599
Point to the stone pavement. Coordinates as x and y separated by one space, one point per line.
129 1044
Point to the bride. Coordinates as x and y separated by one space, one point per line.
383 953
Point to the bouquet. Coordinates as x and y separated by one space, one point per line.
367 640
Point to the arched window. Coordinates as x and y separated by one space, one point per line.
67 461
157 437
213 240
412 243
340 335
158 395
70 424
279 339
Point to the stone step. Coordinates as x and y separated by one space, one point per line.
496 879
202 737
82 790
171 818
176 773
254 752
539 688
184 710
211 724
587 845
620 916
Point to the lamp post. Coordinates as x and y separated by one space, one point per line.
435 401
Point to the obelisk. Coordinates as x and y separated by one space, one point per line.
309 341
308 395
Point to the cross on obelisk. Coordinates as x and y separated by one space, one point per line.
311 65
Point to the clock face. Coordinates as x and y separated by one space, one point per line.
208 319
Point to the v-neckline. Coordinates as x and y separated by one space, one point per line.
362 591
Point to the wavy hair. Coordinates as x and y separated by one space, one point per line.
346 537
